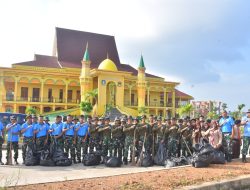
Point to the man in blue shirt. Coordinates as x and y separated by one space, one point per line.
1 141
41 132
246 137
70 141
13 129
28 133
81 131
226 123
56 132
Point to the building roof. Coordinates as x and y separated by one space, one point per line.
141 65
180 94
108 65
70 50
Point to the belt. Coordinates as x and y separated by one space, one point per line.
41 137
81 136
69 135
28 137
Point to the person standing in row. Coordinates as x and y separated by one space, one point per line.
185 132
226 123
41 132
94 138
173 139
70 141
81 132
56 132
13 130
117 138
246 138
236 139
1 142
28 135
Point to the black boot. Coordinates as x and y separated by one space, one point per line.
244 160
125 161
16 162
74 160
1 163
229 157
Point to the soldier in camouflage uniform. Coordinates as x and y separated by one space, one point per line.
117 138
129 132
142 129
106 138
41 132
173 139
28 135
185 133
1 141
56 133
94 138
70 141
161 133
13 130
81 134
152 136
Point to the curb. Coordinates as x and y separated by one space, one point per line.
242 182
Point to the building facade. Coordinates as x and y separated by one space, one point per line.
81 62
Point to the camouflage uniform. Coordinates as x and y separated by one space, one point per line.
69 146
27 142
59 142
129 140
246 143
14 146
81 145
172 141
227 145
106 140
149 138
40 143
117 140
186 135
94 138
161 136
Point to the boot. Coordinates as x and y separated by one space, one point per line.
229 158
125 161
79 161
74 160
244 160
1 163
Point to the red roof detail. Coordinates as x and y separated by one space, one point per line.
179 94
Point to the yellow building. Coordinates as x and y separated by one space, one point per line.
81 62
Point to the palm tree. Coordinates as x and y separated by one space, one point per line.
86 107
30 111
240 107
92 94
142 110
224 106
185 110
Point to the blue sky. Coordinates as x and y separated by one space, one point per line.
204 44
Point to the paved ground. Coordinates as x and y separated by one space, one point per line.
23 175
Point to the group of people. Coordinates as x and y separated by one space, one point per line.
127 138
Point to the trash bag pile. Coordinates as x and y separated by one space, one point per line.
204 154
32 158
113 162
161 155
179 161
91 159
50 156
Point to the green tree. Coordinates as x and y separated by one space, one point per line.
224 106
86 107
92 94
30 111
142 110
185 110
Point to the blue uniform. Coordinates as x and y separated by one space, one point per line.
71 127
83 129
15 129
227 126
57 129
29 132
42 129
246 126
1 128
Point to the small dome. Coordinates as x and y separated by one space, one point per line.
108 65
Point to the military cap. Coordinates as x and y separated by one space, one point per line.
107 118
12 117
34 117
75 119
173 118
123 119
135 119
47 119
130 117
143 116
208 121
180 120
58 116
28 116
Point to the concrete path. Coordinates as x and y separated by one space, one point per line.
24 175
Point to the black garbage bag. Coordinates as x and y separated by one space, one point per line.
31 157
147 161
218 157
46 158
161 155
60 158
203 147
113 162
179 161
91 159
169 163
201 160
